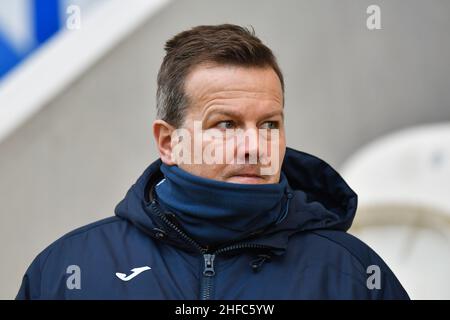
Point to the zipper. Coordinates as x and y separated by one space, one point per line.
207 283
208 274
176 229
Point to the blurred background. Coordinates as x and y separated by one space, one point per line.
77 99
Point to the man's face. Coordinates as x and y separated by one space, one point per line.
237 115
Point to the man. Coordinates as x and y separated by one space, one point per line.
227 212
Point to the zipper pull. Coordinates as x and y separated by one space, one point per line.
209 265
257 263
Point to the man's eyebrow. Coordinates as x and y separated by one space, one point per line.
223 112
237 114
274 113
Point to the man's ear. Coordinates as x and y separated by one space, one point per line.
162 131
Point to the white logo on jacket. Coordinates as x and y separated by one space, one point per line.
135 272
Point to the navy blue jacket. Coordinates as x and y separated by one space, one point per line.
140 253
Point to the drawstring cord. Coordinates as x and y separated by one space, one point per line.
289 196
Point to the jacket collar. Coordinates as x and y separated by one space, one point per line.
321 200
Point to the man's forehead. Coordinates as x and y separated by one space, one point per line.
207 82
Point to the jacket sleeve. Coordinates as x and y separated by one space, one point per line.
372 267
30 288
391 288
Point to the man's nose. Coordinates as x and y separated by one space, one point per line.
248 145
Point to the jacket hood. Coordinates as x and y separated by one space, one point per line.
321 200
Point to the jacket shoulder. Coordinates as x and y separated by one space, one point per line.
369 260
354 246
31 282
91 227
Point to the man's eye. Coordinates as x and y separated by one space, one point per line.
228 124
270 125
